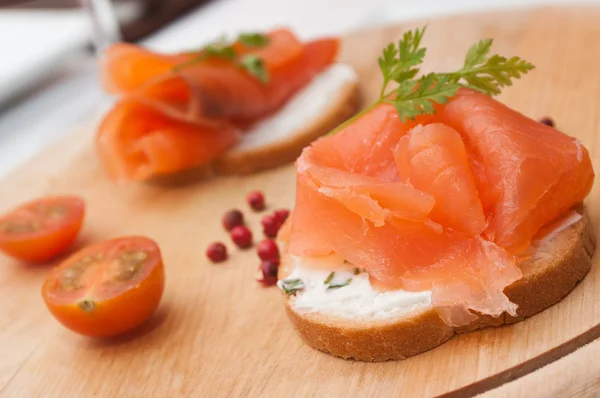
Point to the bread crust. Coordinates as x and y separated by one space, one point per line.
542 285
286 151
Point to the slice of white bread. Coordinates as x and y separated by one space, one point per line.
566 261
328 100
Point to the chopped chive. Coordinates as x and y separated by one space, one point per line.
290 286
336 285
329 278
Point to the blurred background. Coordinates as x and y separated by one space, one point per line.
48 73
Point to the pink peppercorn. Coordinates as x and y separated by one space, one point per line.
241 236
216 252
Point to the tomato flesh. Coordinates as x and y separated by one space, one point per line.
43 229
108 288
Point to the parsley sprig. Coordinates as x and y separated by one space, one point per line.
398 62
251 63
414 95
253 39
489 74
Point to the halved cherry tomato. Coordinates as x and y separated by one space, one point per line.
108 288
42 229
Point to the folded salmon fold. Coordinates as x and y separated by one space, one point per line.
135 142
442 203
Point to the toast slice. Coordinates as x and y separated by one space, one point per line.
544 283
330 99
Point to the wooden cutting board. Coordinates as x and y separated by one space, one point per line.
217 333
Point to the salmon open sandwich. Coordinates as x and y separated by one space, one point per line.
437 210
236 107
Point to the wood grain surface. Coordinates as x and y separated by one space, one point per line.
217 333
575 376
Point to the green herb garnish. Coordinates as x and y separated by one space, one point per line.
397 63
329 278
489 74
290 286
254 39
336 285
218 49
251 63
254 65
413 96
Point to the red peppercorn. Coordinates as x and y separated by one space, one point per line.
232 219
216 252
268 250
241 236
282 215
547 121
271 225
256 200
269 269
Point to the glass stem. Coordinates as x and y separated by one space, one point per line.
105 24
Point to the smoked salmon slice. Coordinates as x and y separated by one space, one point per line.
126 67
534 172
136 142
179 111
216 88
434 204
435 161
